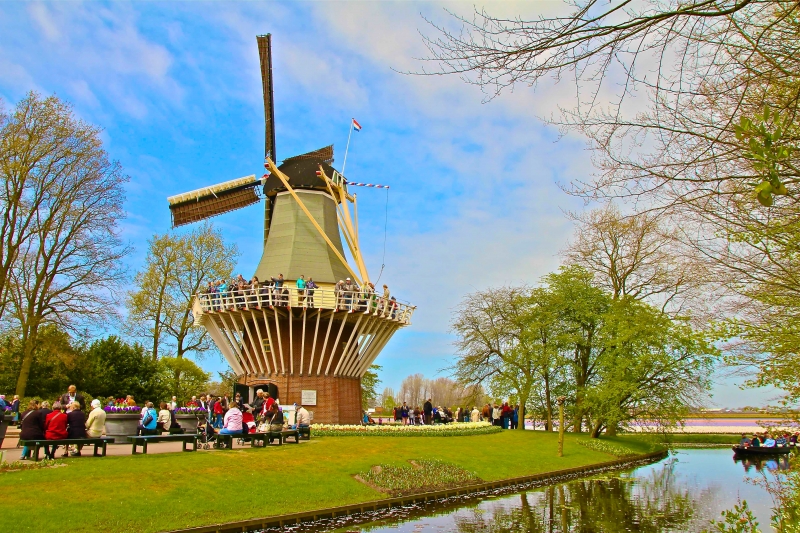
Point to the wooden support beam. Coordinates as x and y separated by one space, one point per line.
252 344
347 346
314 344
271 344
325 344
260 340
335 343
280 342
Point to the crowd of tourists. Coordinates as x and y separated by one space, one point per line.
238 293
503 415
66 418
767 440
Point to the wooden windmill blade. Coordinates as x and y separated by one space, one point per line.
265 56
208 202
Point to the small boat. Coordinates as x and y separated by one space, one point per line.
761 450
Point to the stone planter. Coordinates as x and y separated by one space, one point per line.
121 425
188 421
4 427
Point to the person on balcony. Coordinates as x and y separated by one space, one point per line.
310 286
279 291
339 292
255 291
349 294
383 309
301 289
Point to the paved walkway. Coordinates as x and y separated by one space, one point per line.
12 453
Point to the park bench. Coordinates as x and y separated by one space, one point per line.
98 442
304 433
142 441
255 438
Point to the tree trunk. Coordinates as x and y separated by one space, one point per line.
29 342
549 403
597 429
521 413
611 430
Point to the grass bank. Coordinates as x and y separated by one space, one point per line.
676 439
159 492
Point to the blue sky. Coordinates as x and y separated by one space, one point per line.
474 199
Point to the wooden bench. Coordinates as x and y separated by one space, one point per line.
142 441
263 437
99 443
305 433
283 435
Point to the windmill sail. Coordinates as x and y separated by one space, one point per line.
323 154
265 55
210 201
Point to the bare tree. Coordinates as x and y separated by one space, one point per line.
66 268
637 256
176 268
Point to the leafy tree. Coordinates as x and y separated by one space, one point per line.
652 368
181 377
369 386
52 365
62 202
176 268
492 346
113 367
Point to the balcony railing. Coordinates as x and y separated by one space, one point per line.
267 297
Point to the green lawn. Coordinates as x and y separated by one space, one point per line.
160 492
690 438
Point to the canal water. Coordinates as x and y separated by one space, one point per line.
681 493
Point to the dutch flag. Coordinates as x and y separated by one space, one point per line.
356 125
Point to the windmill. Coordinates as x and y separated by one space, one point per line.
304 346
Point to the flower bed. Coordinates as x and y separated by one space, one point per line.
16 466
440 430
422 475
607 447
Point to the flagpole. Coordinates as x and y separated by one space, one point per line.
344 163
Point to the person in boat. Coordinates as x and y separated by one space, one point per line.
744 442
793 440
769 442
755 442
781 440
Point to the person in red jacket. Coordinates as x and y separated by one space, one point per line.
218 412
55 428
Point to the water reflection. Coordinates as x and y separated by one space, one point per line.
761 463
655 503
680 494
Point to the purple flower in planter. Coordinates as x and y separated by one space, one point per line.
190 410
125 409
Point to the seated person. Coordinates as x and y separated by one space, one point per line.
755 442
781 440
793 440
164 421
301 417
744 442
76 426
248 421
769 442
55 428
232 424
147 425
275 420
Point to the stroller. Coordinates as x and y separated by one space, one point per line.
206 433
